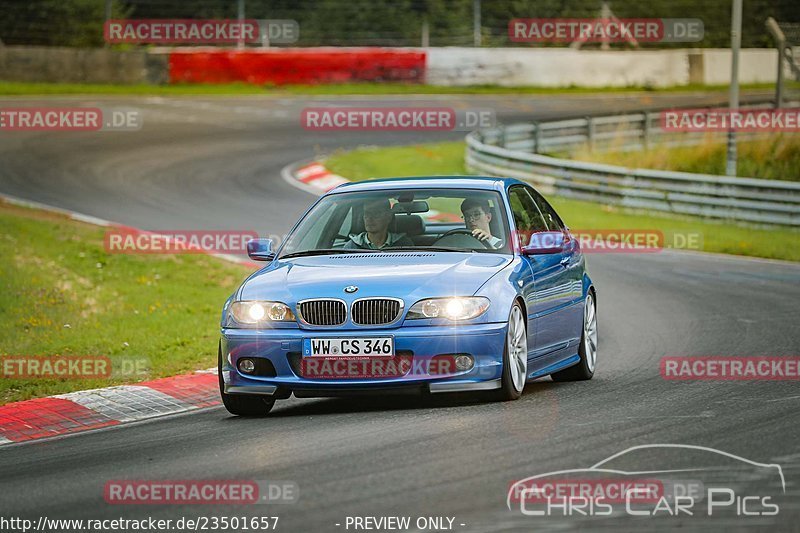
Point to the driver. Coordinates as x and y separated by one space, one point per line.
377 217
477 216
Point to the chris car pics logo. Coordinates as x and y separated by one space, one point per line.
683 481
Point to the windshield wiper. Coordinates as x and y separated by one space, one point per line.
329 251
426 249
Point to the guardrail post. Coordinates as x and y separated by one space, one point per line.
780 43
590 133
502 138
646 131
240 17
537 137
109 12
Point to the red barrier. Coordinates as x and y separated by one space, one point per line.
297 66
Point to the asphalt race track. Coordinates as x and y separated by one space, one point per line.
214 163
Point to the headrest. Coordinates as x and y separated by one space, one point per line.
411 225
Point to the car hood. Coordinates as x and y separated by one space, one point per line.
407 275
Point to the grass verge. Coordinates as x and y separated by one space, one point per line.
11 88
448 159
62 294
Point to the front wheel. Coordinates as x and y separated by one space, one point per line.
242 404
588 348
515 356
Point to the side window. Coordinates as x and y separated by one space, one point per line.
552 219
521 219
526 215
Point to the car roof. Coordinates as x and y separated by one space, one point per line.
433 182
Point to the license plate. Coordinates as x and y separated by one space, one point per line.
349 347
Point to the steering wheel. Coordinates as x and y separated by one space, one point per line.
464 231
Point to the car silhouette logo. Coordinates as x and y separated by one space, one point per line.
350 289
524 488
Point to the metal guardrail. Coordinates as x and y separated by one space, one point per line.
511 151
630 131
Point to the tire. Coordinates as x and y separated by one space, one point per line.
588 348
242 404
515 357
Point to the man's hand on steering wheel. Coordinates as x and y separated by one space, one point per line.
481 235
471 233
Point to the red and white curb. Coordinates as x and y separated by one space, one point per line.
100 408
312 177
317 176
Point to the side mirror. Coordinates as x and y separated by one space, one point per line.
260 249
546 242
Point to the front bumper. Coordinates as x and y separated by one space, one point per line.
282 349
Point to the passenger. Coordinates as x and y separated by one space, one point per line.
477 217
377 218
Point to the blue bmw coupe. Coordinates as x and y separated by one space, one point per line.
411 285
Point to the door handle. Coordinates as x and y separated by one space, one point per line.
565 261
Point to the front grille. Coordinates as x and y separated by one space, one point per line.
375 311
323 312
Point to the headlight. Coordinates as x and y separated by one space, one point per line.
257 312
458 308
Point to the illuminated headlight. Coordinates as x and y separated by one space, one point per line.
256 312
459 308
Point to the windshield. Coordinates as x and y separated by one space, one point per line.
456 220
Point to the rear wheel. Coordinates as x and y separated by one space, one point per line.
587 349
242 404
515 356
